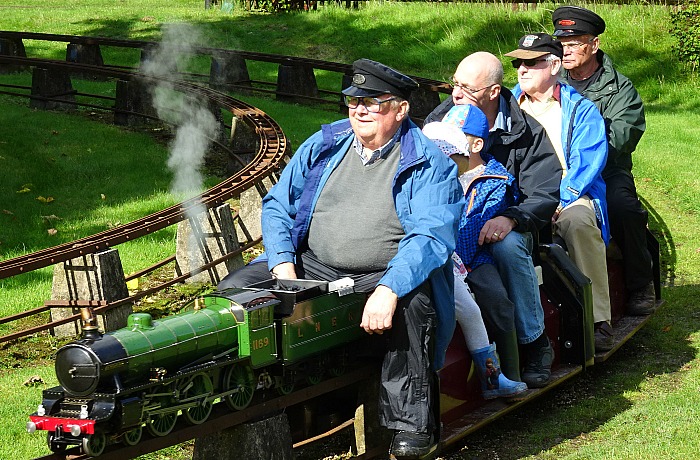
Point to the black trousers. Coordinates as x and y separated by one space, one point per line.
628 222
491 295
408 383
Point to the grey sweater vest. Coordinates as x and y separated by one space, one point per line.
354 226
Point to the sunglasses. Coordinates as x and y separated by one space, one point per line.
526 62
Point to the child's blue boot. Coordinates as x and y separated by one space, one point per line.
493 383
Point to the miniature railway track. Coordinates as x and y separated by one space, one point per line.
273 147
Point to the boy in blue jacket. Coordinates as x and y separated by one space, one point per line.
489 189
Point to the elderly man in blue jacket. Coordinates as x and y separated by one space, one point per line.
371 198
577 131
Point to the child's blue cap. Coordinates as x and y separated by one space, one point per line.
470 119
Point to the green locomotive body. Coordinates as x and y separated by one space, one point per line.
222 346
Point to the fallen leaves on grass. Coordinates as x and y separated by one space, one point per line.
25 188
52 231
45 200
50 219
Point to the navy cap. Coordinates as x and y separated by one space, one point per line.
532 46
574 20
371 78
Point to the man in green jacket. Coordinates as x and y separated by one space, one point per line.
591 73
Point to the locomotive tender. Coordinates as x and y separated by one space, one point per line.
221 346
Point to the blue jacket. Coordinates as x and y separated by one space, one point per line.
585 147
488 195
428 200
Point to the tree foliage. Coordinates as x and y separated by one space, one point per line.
685 28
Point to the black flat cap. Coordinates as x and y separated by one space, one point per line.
574 20
371 78
532 46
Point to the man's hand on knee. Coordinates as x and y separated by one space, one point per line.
379 310
495 229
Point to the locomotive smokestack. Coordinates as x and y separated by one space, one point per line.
89 323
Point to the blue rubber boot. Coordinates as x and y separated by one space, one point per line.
493 383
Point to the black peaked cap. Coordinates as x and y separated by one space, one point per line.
574 20
372 78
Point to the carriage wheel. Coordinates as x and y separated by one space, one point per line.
338 370
201 385
131 438
242 378
52 445
340 364
94 444
288 382
161 424
315 374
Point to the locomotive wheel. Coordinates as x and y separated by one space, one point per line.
242 378
52 445
200 386
161 424
131 438
94 444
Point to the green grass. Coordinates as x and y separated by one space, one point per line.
643 403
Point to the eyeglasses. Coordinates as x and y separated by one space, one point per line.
575 46
466 89
526 62
372 104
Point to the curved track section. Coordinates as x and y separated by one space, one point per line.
269 158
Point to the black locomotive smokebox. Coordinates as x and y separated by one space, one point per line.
290 292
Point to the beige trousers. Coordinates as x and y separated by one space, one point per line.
578 227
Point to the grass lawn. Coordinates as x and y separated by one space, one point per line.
643 403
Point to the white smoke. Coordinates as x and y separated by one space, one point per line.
194 124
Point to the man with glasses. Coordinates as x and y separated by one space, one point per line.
520 143
577 131
371 198
591 73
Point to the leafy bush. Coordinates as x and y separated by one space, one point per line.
685 28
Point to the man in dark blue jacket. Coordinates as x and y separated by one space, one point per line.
520 144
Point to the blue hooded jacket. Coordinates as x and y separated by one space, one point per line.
429 203
488 195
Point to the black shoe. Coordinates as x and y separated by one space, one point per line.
412 445
538 368
603 335
642 301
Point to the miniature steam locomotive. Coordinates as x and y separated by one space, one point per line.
228 344
224 345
